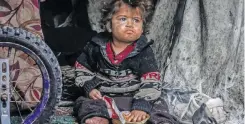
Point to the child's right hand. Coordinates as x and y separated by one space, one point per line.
95 94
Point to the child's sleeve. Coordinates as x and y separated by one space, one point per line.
150 89
85 74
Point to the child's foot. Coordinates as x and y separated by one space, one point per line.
97 120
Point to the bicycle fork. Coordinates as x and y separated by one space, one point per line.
4 91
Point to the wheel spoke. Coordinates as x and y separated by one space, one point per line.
27 80
22 99
19 110
19 75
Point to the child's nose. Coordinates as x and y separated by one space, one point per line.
129 23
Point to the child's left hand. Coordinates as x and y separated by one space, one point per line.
136 116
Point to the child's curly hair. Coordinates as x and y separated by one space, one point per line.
146 7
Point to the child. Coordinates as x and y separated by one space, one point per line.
121 64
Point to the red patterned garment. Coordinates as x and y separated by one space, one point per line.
21 13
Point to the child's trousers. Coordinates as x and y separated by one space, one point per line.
86 108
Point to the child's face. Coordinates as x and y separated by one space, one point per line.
127 24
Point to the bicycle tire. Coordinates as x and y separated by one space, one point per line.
25 39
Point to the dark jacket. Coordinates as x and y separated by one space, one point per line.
137 74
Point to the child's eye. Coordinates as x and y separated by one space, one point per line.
123 19
136 20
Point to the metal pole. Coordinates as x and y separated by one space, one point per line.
4 91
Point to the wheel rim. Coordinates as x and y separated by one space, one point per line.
36 112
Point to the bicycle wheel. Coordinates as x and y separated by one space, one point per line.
35 75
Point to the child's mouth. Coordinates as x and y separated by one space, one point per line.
129 32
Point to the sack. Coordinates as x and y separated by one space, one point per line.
184 102
203 116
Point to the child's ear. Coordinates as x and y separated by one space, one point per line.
108 27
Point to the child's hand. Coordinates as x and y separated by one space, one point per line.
95 94
136 116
